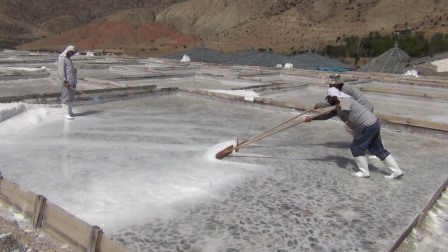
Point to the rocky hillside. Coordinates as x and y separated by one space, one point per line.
158 27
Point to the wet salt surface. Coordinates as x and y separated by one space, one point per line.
141 170
301 198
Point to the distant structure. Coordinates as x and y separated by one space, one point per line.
255 58
315 61
309 60
392 61
205 55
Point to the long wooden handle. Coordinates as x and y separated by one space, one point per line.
79 91
227 151
278 126
260 136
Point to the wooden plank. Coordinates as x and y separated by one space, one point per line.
101 81
39 209
19 198
66 227
96 235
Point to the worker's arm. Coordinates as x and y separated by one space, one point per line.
321 104
344 115
321 117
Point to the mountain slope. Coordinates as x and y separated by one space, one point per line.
158 27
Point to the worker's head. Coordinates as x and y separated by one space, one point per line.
332 96
336 81
70 51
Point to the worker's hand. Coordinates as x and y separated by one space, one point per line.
337 106
308 118
316 106
66 84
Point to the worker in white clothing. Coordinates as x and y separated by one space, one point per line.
67 75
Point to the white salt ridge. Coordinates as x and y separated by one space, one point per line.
8 110
248 95
28 69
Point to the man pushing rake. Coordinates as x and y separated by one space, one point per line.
366 132
362 121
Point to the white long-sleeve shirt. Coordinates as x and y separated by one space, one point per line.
67 71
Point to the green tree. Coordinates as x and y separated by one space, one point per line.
414 45
376 44
335 51
354 47
438 43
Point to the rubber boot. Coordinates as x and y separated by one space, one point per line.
66 112
70 111
363 166
393 166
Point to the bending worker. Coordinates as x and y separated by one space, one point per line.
366 132
337 82
67 75
355 93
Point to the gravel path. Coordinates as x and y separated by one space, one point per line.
18 235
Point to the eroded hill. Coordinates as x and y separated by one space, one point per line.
157 27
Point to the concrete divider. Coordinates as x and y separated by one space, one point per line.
396 242
418 219
405 92
440 126
57 222
397 120
101 91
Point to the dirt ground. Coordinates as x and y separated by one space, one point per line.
18 235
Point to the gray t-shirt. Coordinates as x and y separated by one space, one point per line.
355 93
359 116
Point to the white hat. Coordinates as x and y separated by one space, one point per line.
336 92
69 48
